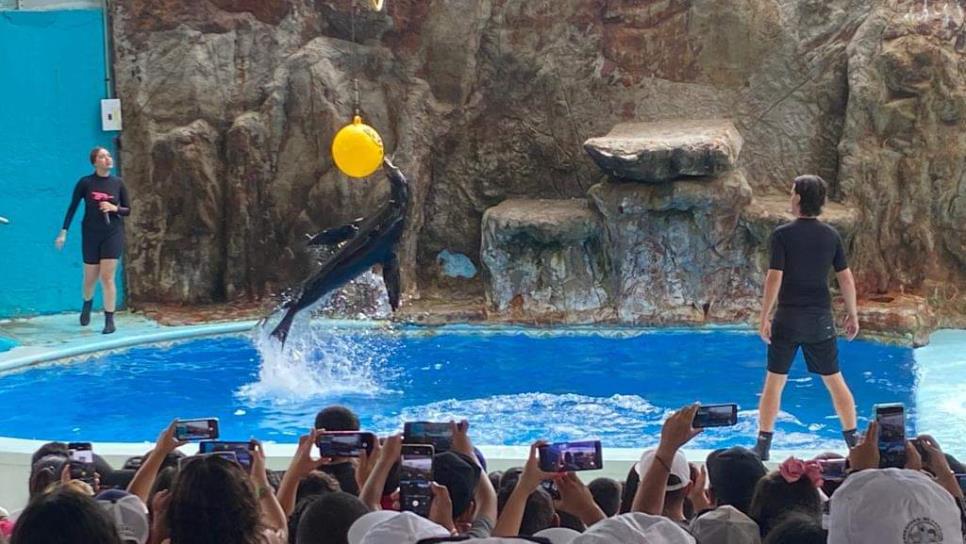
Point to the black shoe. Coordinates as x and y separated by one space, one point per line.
763 446
85 318
108 323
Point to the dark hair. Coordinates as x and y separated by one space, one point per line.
630 489
50 448
537 514
64 515
812 191
508 480
607 495
44 472
796 528
775 498
326 520
316 483
95 151
337 418
733 474
495 477
213 502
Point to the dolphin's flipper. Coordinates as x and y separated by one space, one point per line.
336 235
390 275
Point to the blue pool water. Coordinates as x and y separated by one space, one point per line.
513 385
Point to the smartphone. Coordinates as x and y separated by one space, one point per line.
892 435
833 470
715 415
81 461
570 456
345 443
415 473
961 478
196 429
227 455
437 435
241 450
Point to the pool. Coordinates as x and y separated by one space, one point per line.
515 385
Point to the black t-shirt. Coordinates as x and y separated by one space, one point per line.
93 190
804 250
345 473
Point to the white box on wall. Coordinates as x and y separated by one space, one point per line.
111 114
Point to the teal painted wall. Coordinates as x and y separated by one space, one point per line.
51 83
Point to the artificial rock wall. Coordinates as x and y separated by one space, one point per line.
229 109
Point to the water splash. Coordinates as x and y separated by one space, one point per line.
318 362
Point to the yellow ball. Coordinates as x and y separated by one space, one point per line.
357 149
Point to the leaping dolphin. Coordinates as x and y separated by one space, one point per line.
369 241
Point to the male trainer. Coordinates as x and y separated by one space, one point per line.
801 254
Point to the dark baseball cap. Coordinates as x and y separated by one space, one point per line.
459 474
733 474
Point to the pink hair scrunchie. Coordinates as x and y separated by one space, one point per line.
792 470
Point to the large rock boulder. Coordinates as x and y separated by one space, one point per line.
677 250
904 151
666 150
544 261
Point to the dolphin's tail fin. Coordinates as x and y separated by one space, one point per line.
281 331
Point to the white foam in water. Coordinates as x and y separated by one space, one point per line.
316 362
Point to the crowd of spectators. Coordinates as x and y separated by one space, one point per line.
730 497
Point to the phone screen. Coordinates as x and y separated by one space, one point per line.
345 444
961 478
241 450
715 415
196 429
571 456
438 435
892 436
82 461
415 473
833 470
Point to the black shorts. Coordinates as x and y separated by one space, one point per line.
99 245
813 331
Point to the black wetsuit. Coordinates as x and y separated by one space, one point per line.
804 250
102 234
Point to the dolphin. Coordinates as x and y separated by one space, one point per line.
368 242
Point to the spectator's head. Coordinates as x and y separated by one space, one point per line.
316 483
635 527
892 506
50 448
725 525
130 515
733 474
45 471
383 527
775 497
509 478
162 482
327 519
538 514
808 195
495 478
797 528
213 501
337 418
607 495
459 474
63 516
629 489
678 481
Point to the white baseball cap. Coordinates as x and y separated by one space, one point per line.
679 468
725 525
893 506
400 528
129 514
635 528
558 535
